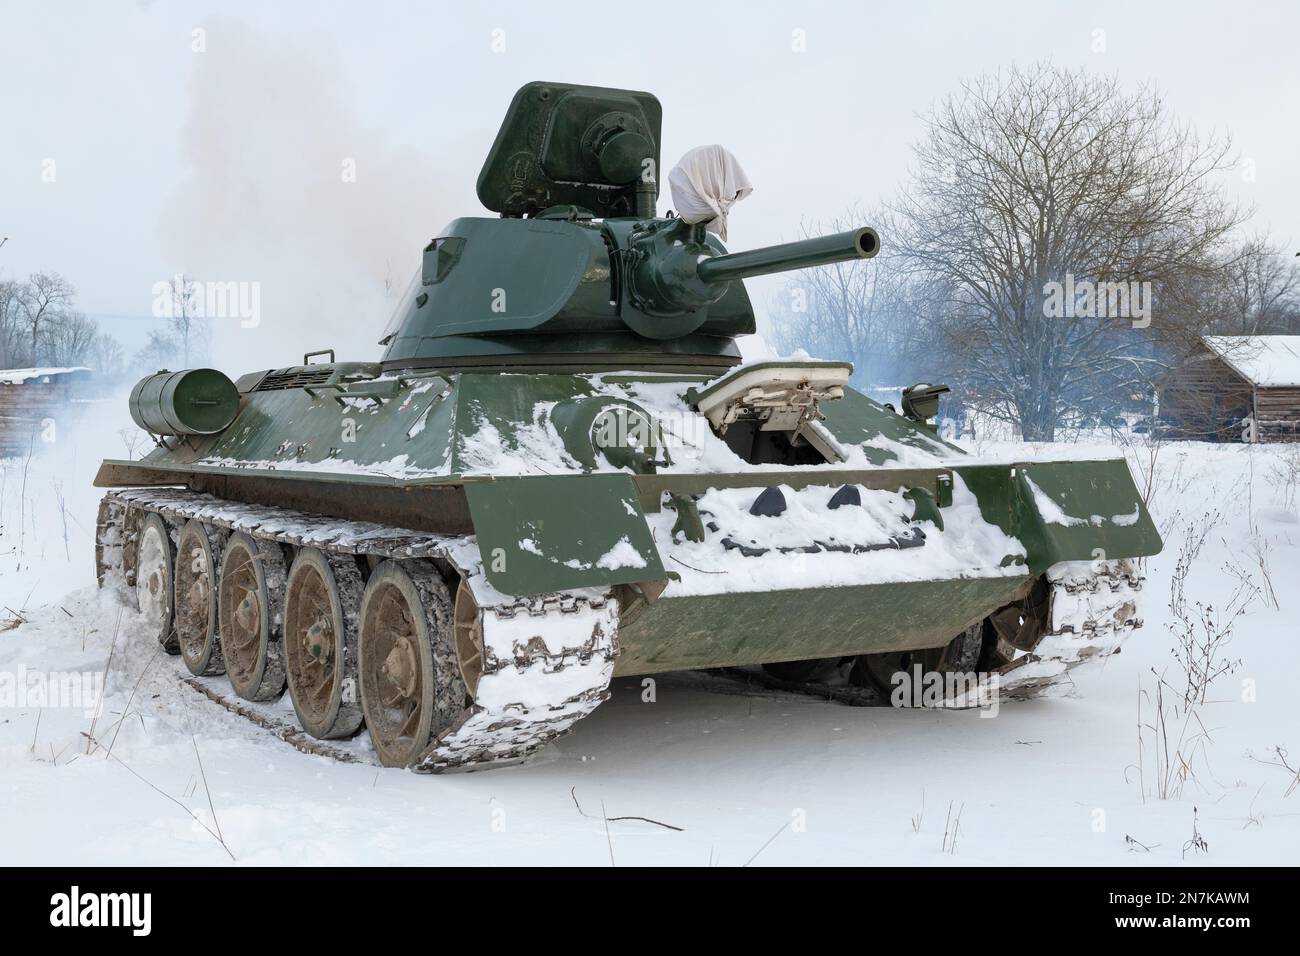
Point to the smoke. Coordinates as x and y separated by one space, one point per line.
290 193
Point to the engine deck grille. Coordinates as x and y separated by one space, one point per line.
294 378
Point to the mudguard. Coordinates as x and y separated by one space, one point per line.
555 533
1066 510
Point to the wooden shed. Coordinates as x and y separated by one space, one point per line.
1235 388
29 399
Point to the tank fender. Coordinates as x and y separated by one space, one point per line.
560 532
1066 510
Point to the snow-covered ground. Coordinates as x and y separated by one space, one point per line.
779 779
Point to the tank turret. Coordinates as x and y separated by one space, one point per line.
579 270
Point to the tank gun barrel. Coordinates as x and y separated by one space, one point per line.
862 243
672 274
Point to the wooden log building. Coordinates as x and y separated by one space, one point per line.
32 397
1235 388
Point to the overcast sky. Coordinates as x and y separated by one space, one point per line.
226 163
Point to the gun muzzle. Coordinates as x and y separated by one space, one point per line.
862 243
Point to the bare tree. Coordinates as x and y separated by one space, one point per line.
1045 176
185 318
70 339
45 300
108 359
850 310
37 322
11 323
1259 290
160 352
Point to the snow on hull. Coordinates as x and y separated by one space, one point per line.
480 445
967 547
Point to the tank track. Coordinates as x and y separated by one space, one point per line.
1094 607
547 660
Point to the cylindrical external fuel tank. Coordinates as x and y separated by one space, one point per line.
197 401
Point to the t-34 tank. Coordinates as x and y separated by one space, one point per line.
560 472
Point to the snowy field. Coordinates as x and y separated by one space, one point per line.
746 775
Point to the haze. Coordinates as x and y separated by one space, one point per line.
226 163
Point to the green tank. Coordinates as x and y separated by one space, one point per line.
561 473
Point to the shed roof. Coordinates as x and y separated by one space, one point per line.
30 376
1270 361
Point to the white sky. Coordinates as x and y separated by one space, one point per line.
226 163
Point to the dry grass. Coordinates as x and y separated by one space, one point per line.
1175 736
951 827
1202 631
215 834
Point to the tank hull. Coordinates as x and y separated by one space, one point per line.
553 552
362 444
732 630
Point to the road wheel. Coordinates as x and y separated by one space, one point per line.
249 611
196 601
407 660
154 593
321 622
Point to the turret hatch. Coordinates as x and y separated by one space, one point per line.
586 146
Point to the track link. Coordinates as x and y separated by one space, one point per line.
1094 607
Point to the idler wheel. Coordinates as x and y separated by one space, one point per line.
469 637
